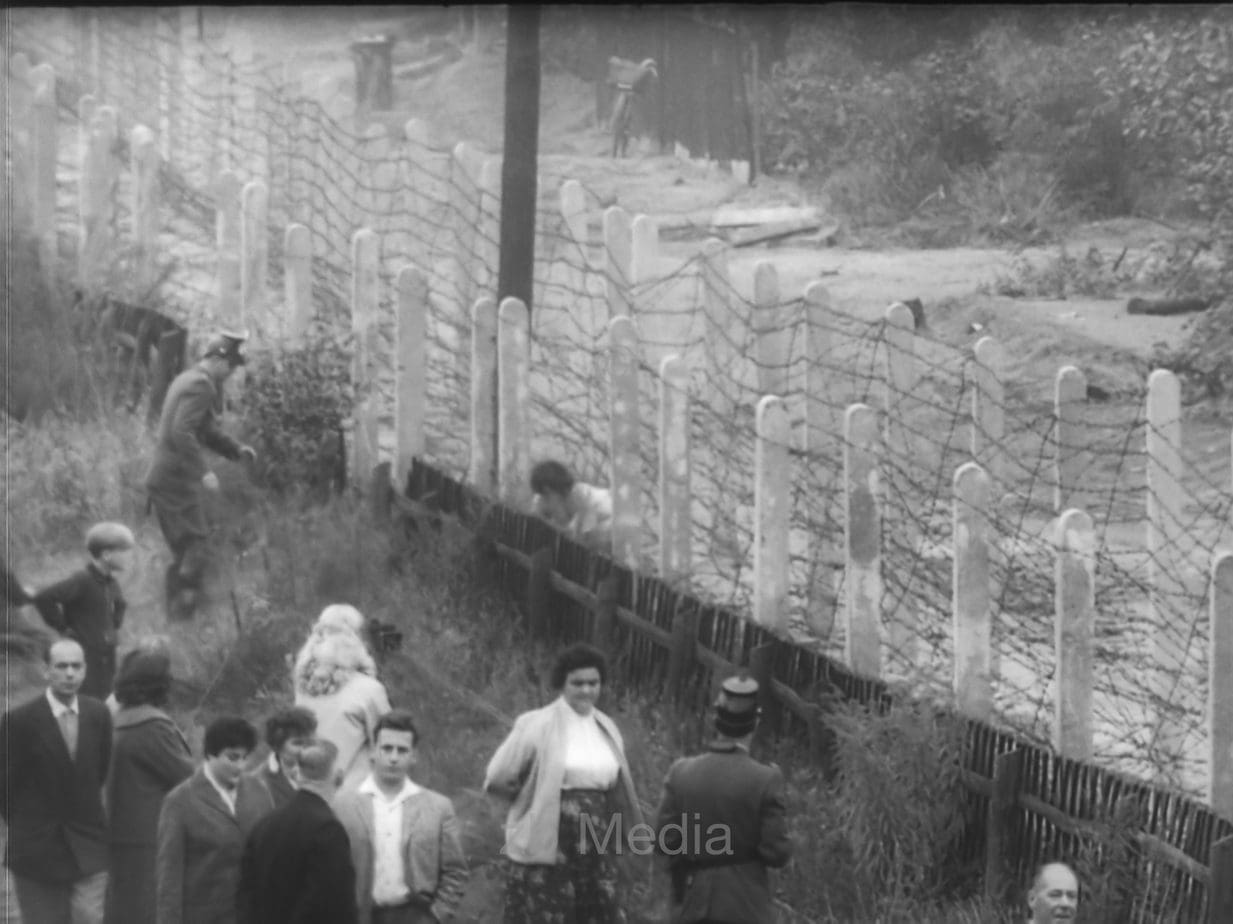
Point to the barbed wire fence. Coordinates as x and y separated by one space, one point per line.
217 110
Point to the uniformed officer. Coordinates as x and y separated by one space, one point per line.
722 821
188 425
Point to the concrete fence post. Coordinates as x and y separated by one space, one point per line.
254 251
772 513
489 256
513 405
989 410
1220 685
863 540
482 472
624 439
43 150
618 243
773 330
644 249
1074 634
1166 560
1069 393
99 181
573 205
675 521
973 605
298 280
821 445
228 237
365 304
143 150
465 206
411 393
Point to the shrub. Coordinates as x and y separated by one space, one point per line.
295 402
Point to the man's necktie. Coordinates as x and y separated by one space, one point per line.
68 727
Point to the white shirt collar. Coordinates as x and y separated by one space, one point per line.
58 708
228 796
370 788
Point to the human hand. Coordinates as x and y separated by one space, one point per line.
247 452
210 481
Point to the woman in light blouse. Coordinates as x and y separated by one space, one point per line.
563 769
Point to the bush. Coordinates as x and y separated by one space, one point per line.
295 403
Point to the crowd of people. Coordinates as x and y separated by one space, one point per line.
112 818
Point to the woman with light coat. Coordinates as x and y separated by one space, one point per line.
572 802
336 679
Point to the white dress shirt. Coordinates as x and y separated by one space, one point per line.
589 761
228 795
58 708
389 878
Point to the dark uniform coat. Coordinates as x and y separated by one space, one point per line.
297 867
87 607
276 783
150 758
51 802
200 844
724 787
188 426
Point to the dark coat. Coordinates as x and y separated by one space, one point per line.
276 783
150 759
187 427
724 789
88 607
200 844
52 803
297 867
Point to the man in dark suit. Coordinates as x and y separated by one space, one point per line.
189 425
297 867
721 821
54 754
286 733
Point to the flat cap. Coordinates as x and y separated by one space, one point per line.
104 536
226 344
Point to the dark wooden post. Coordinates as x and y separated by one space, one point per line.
374 73
1123 860
605 611
761 664
684 638
382 492
516 265
1220 889
999 838
167 365
539 591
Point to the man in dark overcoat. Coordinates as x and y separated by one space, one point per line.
189 425
54 754
722 821
296 867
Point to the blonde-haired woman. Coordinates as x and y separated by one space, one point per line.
336 679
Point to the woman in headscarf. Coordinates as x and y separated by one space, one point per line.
563 770
336 679
149 758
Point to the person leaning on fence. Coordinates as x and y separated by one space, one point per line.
563 770
722 821
582 510
178 473
1054 894
286 733
335 678
150 757
88 606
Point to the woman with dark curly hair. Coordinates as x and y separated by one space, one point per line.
149 758
564 772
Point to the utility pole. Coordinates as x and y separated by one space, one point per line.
519 167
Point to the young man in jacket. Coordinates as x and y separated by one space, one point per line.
405 841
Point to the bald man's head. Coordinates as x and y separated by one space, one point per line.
66 669
1054 895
